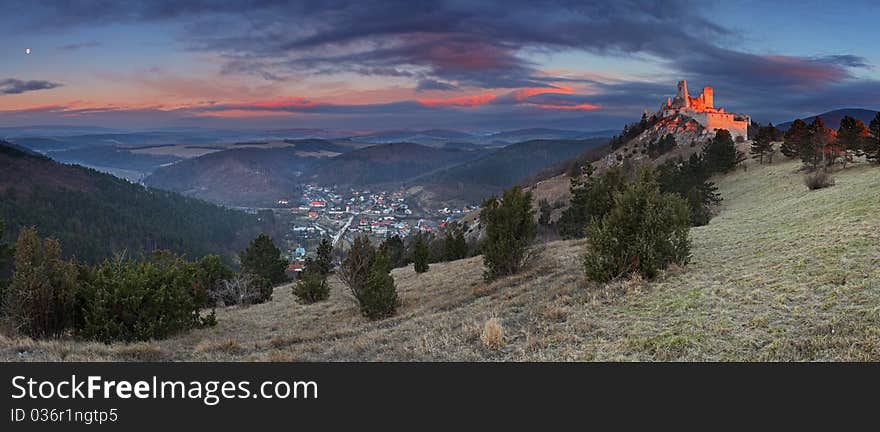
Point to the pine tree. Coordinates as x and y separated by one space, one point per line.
263 259
395 250
312 285
762 145
544 212
454 244
720 153
794 139
5 261
817 147
379 298
510 228
645 232
324 260
40 299
852 136
420 254
872 146
590 198
355 269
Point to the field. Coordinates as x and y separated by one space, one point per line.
782 273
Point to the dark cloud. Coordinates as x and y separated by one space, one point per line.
429 84
15 86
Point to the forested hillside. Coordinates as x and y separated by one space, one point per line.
96 215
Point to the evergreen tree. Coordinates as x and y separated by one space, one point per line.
815 149
720 154
420 254
872 146
510 228
312 285
762 145
40 299
794 139
591 197
379 296
263 259
544 212
645 231
324 260
355 269
5 264
394 248
690 180
454 244
852 136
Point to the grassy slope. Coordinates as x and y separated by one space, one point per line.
780 274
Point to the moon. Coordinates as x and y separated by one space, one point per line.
27 51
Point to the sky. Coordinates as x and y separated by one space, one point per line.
458 64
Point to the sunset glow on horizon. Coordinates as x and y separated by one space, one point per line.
476 65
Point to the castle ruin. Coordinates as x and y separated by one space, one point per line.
703 111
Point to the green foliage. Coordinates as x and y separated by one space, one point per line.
127 299
872 146
355 269
720 154
794 139
762 146
631 131
395 250
510 228
544 212
324 261
420 254
690 180
312 285
591 198
644 232
379 299
454 244
40 300
210 274
263 259
852 137
5 264
109 215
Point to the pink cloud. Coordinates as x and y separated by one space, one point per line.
462 101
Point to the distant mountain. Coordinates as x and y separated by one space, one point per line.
472 181
103 157
96 215
388 163
832 118
432 137
245 176
521 135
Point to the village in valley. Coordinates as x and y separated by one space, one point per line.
340 214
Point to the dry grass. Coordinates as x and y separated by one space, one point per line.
492 336
781 274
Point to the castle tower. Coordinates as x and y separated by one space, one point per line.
683 93
708 97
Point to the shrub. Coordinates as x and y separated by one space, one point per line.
492 336
644 232
591 197
242 289
324 261
395 250
210 274
379 297
355 269
454 244
510 228
818 179
420 254
5 264
263 259
40 300
135 300
311 287
720 153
